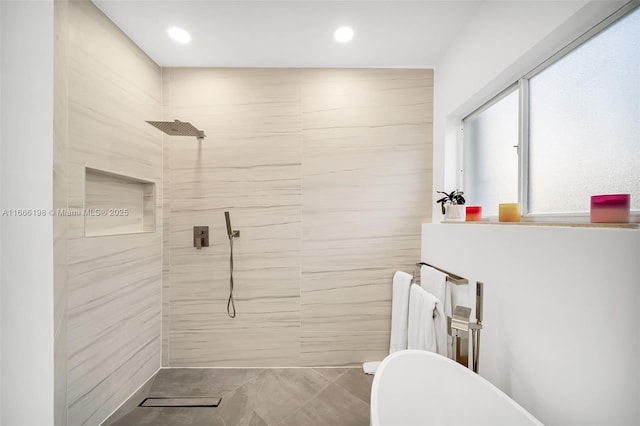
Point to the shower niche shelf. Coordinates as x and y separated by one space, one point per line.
116 204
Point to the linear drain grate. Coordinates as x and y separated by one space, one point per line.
180 401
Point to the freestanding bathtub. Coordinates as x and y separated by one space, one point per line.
414 387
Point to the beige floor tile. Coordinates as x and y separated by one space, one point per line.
333 406
356 382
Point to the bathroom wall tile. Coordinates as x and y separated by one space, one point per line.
265 168
367 168
261 312
60 197
199 299
132 403
269 238
227 100
60 382
108 319
375 98
257 347
365 194
349 286
250 165
327 174
99 402
61 136
339 300
343 348
114 310
114 282
166 248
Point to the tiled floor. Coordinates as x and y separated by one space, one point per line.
259 397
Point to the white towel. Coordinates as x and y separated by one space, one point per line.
399 317
425 322
435 282
399 311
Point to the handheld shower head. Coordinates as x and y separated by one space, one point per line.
228 219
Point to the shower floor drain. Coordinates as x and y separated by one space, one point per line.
180 401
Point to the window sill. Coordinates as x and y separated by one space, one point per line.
558 224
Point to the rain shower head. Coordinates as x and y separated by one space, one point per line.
178 128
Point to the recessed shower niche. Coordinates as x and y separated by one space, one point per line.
116 204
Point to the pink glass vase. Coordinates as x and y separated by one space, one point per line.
610 208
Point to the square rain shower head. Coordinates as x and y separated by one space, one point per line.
178 128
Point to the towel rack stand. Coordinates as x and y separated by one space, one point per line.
460 326
451 277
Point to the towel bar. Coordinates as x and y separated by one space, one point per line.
452 278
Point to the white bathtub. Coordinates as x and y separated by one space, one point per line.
414 387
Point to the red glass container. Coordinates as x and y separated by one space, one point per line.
474 213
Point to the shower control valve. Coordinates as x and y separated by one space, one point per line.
200 236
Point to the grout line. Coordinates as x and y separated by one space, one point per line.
264 379
336 378
301 225
308 401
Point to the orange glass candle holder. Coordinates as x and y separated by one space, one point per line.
610 208
474 213
509 212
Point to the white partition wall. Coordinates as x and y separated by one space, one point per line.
561 321
27 242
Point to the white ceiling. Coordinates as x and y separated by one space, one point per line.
403 34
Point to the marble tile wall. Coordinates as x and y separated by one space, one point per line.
250 165
366 184
327 174
60 196
113 292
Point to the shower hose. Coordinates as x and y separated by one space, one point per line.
231 305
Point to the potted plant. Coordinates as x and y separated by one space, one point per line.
452 205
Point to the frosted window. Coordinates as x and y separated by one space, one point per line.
490 159
585 123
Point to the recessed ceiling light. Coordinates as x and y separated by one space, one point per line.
179 35
343 34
